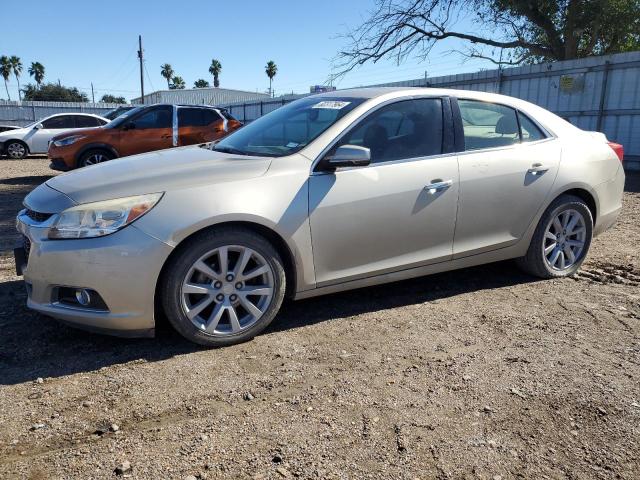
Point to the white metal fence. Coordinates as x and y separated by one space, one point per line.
595 93
23 113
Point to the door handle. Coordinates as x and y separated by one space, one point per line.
438 186
537 168
165 136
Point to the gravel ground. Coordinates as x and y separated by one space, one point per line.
479 373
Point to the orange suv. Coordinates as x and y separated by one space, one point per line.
140 130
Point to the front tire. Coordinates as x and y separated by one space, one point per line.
16 150
93 157
224 286
561 240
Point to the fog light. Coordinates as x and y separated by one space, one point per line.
83 297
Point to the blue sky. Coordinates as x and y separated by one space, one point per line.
80 42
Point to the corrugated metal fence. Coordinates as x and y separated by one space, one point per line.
595 93
23 113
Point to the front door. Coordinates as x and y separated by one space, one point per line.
506 172
151 129
400 211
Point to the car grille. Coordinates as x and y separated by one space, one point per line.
37 216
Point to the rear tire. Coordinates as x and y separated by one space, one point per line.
16 150
211 293
93 157
561 240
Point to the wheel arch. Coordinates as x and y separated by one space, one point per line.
585 195
18 140
95 146
269 234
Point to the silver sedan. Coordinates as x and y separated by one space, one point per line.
331 192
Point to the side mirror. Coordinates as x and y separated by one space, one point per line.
129 126
38 126
349 156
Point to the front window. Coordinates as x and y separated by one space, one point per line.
124 117
59 122
289 128
400 130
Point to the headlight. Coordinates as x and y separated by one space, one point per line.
102 218
63 142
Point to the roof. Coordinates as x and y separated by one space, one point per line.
201 95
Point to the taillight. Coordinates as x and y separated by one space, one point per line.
618 149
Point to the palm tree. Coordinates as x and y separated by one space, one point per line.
167 72
177 83
16 66
201 83
36 70
5 70
271 69
215 69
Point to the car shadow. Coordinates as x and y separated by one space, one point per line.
33 346
30 180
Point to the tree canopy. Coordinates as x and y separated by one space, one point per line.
502 31
107 98
201 83
167 72
177 83
53 92
214 69
36 70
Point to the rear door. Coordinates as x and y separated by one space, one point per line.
199 125
151 129
38 139
507 169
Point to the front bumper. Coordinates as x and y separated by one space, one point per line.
62 158
123 268
59 165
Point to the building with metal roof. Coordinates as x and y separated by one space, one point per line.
199 96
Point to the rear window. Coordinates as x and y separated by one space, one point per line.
86 122
490 125
196 117
227 115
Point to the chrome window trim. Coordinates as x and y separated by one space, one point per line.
388 162
174 130
373 109
507 147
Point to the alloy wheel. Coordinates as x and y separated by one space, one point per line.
564 240
227 290
16 150
95 158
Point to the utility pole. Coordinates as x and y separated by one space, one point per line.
141 67
93 97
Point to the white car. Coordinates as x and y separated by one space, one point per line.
34 138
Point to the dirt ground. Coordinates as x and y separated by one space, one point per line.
479 373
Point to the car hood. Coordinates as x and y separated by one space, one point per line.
159 171
75 131
12 133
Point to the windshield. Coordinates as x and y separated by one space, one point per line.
289 128
116 122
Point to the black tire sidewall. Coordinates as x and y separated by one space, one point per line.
88 153
6 150
565 202
190 252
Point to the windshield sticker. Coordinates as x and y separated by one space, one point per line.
332 105
292 145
